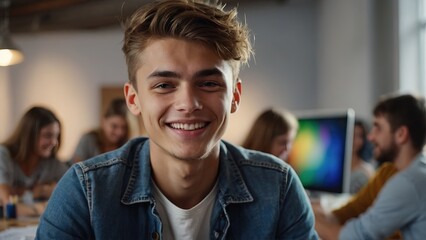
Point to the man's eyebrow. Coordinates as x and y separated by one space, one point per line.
166 74
208 72
171 74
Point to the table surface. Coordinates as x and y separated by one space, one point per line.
18 222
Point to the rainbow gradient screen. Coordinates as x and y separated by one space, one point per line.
319 153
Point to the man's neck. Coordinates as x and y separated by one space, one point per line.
405 157
185 183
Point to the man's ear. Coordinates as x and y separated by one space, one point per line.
236 96
402 135
131 99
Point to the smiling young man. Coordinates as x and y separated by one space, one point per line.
183 182
398 134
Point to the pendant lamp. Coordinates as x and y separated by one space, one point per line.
9 52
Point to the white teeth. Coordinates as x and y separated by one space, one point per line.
187 126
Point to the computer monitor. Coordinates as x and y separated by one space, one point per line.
322 150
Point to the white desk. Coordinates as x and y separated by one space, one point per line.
18 229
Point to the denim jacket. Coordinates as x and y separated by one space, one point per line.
110 197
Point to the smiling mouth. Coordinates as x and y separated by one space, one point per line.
187 126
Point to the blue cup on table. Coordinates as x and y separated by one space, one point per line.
10 211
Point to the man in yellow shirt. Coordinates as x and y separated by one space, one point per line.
359 203
399 136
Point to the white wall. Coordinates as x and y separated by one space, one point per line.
283 71
303 60
64 71
5 96
345 55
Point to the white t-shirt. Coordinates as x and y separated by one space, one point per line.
184 224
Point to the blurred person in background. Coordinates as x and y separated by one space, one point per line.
361 170
394 199
28 163
272 132
112 133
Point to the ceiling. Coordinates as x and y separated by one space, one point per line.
28 16
60 15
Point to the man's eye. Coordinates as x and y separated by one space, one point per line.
209 84
163 85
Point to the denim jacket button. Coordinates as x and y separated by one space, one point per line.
155 236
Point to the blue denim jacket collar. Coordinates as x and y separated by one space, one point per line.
231 185
139 188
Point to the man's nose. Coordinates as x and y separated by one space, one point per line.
188 99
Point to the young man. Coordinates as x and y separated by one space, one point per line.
183 182
398 133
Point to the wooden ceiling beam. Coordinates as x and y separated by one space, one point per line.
42 6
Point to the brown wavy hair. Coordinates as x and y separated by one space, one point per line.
268 125
189 20
23 141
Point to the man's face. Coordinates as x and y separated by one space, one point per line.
382 137
184 94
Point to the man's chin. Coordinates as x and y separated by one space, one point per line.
190 156
382 158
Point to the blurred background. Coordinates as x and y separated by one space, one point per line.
309 54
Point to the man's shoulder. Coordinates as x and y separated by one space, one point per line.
125 155
109 172
247 174
250 158
415 174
